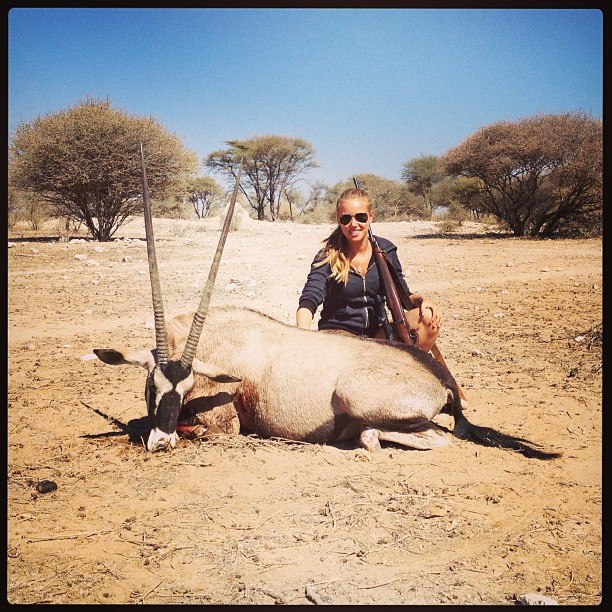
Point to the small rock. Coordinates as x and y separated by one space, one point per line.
498 315
535 599
11 244
88 311
34 250
477 353
595 286
149 325
579 338
455 315
478 289
544 270
572 372
361 454
99 249
126 259
509 264
92 262
433 512
89 357
46 486
80 256
504 292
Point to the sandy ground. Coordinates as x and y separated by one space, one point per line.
237 519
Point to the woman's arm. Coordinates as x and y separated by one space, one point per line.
313 293
394 259
430 309
303 318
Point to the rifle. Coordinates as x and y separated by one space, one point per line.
398 300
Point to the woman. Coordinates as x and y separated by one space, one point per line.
344 278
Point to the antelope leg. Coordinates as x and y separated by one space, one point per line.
426 437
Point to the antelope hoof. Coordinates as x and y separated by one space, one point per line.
369 440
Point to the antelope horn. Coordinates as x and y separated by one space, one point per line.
200 315
161 339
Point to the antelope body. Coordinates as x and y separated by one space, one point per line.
314 386
256 374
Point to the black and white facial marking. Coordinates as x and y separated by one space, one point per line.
166 387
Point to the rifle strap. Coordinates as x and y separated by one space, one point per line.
401 291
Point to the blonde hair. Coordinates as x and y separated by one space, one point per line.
336 248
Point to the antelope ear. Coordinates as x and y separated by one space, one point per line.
212 372
144 358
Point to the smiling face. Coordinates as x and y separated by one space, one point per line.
354 231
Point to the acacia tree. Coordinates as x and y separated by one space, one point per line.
391 200
85 162
541 175
202 192
13 207
316 197
421 175
272 165
464 192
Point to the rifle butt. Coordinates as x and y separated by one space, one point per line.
437 355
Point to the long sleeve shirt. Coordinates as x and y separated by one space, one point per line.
354 306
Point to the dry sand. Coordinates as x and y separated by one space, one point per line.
251 521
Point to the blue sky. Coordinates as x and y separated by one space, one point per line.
369 88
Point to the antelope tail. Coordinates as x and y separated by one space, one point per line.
486 436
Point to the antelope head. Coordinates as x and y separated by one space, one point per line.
168 381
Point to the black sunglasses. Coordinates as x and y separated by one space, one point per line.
359 217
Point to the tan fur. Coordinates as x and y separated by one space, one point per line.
304 385
207 403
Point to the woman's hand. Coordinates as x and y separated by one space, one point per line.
430 310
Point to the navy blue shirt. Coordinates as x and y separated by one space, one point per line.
354 306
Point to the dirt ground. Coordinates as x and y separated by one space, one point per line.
243 520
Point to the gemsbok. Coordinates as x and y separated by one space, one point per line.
246 371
